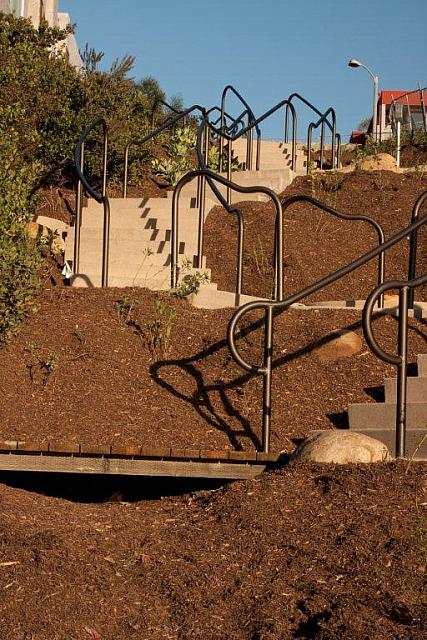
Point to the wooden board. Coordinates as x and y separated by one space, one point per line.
67 463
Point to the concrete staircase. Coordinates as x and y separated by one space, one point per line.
140 232
274 155
379 420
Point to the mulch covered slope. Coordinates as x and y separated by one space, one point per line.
307 552
87 372
324 553
315 243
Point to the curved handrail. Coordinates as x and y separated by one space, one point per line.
290 200
212 177
313 125
271 307
168 123
336 138
254 124
165 104
413 245
405 287
251 120
101 198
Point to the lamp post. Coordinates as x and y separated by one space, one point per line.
355 63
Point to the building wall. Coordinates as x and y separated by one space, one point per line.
36 10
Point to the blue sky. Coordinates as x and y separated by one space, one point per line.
267 49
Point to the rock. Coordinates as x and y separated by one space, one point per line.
53 239
379 162
342 343
341 447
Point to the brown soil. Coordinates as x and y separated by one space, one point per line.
315 243
318 553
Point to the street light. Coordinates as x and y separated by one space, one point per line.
355 63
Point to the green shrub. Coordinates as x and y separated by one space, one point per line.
20 259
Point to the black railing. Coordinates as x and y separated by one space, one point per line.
413 245
102 197
401 359
272 308
323 120
153 134
336 141
212 178
165 104
251 121
290 200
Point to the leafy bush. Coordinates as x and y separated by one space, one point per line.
20 259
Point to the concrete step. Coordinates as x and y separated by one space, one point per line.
422 364
154 279
416 390
209 297
275 179
383 416
413 439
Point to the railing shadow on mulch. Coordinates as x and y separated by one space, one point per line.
201 401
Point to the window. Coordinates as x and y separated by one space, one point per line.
17 8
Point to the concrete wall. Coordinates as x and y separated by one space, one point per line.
4 6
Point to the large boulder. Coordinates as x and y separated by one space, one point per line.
341 447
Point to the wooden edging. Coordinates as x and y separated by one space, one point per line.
70 457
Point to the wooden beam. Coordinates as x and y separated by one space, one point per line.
62 463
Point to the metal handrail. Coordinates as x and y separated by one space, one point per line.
164 103
413 245
102 198
290 200
212 177
277 307
332 127
405 287
254 124
140 141
251 119
313 125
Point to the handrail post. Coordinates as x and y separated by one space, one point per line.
285 137
125 173
106 230
174 239
258 152
413 246
402 374
202 203
294 139
309 135
322 143
268 361
78 220
334 164
229 156
240 243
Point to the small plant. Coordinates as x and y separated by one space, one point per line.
213 160
191 283
44 364
182 141
159 330
125 305
171 170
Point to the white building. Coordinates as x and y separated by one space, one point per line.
38 10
